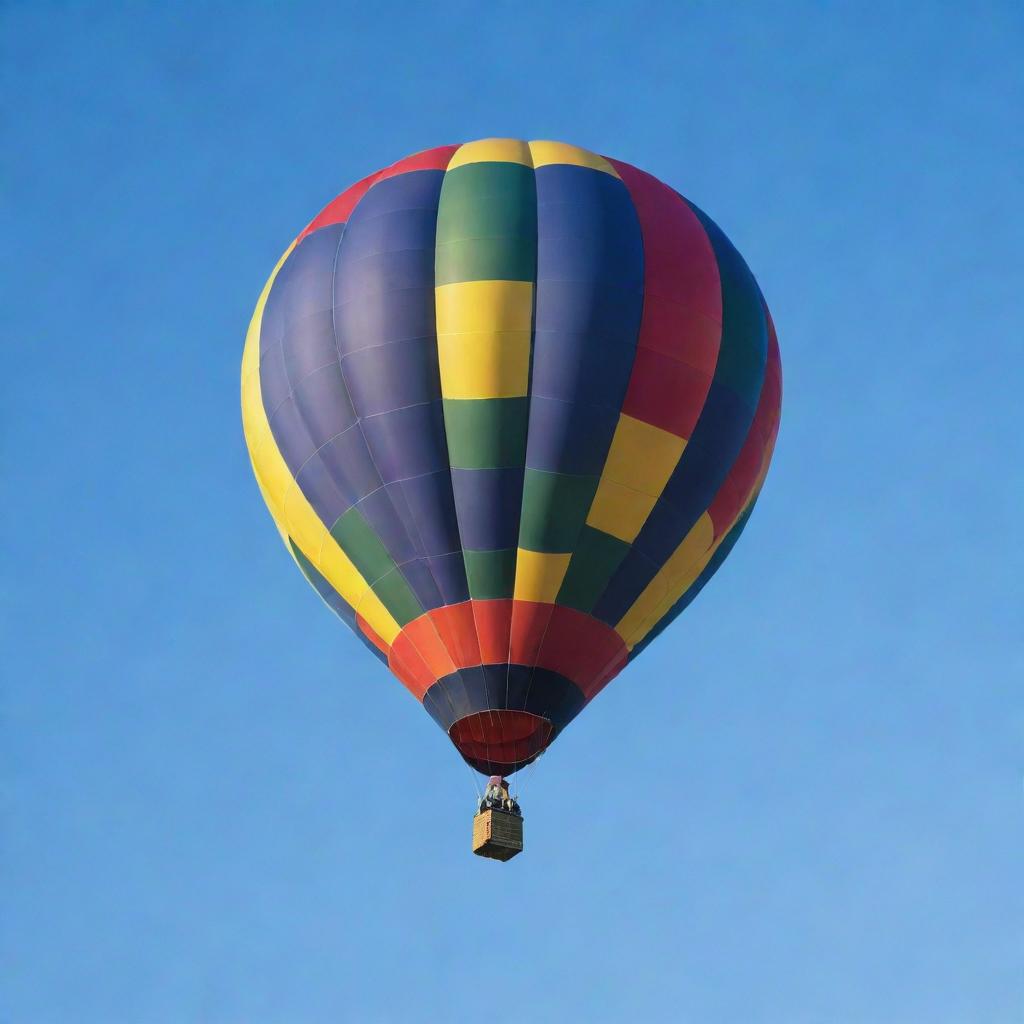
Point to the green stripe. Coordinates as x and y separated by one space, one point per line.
356 538
486 433
398 598
487 224
555 508
597 556
491 574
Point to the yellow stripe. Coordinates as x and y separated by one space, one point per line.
619 511
666 587
545 153
688 569
540 153
539 575
292 513
640 461
483 338
513 151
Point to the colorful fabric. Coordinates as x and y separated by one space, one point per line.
510 405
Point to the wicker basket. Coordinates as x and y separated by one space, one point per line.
497 834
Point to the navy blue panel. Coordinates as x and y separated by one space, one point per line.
601 310
717 439
348 459
408 442
589 303
488 501
449 572
389 377
720 555
635 571
594 215
432 508
570 437
585 366
538 691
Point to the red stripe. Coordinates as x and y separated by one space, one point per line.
572 643
581 648
666 392
339 209
493 629
681 328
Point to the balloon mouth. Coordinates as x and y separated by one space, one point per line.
502 741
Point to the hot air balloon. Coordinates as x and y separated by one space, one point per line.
510 405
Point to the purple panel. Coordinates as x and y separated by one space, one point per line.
348 459
366 297
413 190
377 318
304 285
408 442
309 344
389 518
384 289
393 376
274 386
381 273
322 400
291 434
317 483
385 232
488 501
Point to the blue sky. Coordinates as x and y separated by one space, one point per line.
806 800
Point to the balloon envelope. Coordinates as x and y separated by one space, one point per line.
510 405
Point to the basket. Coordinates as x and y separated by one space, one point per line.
497 834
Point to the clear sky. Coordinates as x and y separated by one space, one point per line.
803 805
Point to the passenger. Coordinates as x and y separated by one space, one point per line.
497 797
